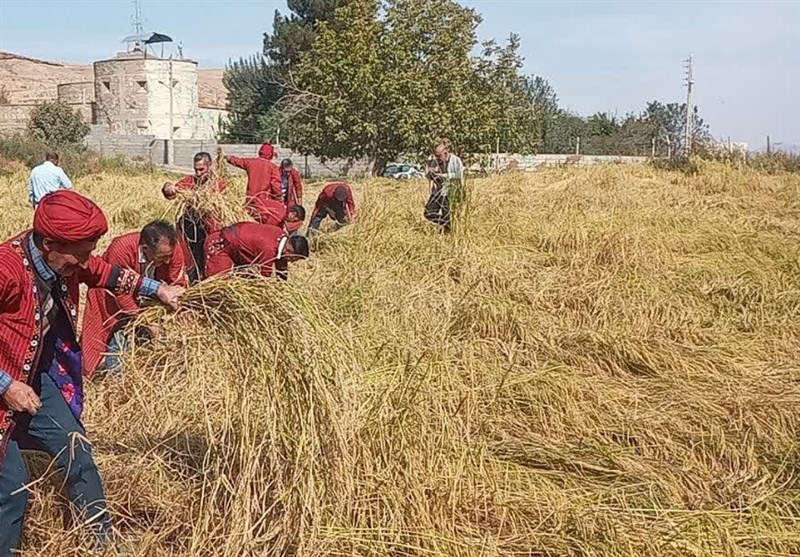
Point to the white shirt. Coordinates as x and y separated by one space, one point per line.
46 178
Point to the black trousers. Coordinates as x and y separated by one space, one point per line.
194 231
437 210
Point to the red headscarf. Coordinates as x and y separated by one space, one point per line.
266 151
66 216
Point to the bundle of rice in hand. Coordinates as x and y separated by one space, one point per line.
209 201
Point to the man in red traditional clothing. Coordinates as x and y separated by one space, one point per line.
193 227
291 183
334 201
275 213
251 243
151 253
263 175
41 388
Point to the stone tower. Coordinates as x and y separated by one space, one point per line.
138 95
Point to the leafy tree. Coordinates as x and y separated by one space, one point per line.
400 73
253 91
545 108
254 84
57 124
294 34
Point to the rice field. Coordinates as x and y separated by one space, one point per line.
602 361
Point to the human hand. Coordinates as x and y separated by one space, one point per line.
156 332
168 295
169 190
21 398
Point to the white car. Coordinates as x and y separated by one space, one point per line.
402 171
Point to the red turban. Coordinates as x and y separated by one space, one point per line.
266 151
66 216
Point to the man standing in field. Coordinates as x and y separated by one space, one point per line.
192 226
47 178
251 243
263 175
334 201
291 184
446 173
41 387
152 253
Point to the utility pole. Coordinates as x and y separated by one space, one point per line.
171 151
689 105
578 145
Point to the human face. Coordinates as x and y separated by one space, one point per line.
202 168
290 256
292 216
67 258
441 153
159 254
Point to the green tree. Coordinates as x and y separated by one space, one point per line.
294 34
255 84
253 90
57 124
562 136
400 73
545 108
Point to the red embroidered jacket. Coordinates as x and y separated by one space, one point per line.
244 243
326 198
104 309
21 312
294 196
263 175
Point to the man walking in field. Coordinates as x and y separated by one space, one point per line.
446 173
334 201
192 226
47 178
41 387
251 243
153 253
263 175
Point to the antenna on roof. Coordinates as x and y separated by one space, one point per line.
138 28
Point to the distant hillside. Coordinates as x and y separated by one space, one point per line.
28 80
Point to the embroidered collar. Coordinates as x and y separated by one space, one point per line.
281 247
44 271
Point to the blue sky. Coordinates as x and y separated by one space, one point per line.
599 56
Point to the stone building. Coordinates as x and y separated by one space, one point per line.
129 94
134 95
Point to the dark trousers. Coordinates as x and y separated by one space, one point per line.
194 231
437 210
53 430
335 211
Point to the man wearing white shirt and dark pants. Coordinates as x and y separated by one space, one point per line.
445 171
47 178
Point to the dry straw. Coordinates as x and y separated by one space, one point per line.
602 362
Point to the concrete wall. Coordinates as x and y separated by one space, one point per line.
310 166
530 162
136 147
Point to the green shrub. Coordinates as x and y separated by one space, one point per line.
57 124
